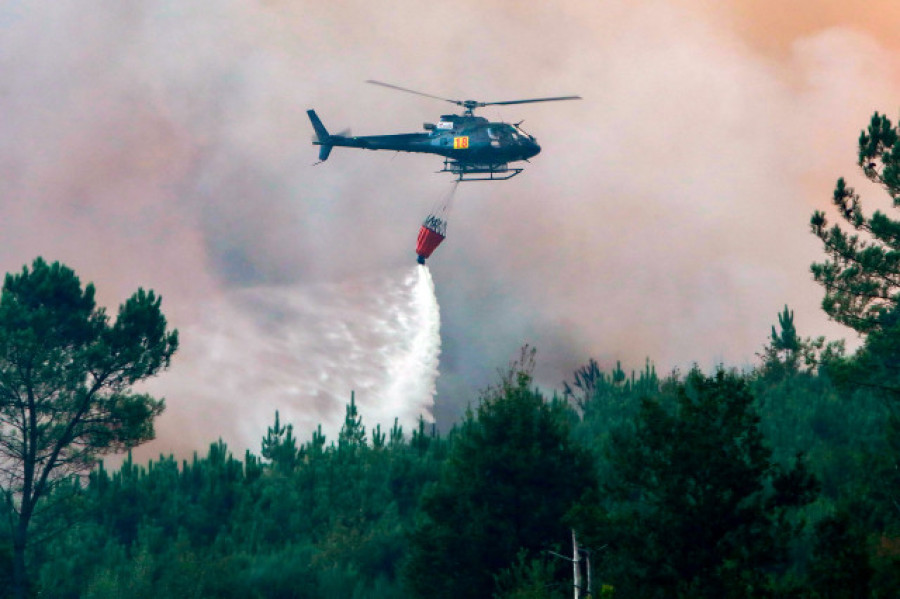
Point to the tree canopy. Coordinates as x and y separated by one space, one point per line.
780 481
861 276
66 373
695 506
513 473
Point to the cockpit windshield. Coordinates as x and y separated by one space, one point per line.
506 131
522 133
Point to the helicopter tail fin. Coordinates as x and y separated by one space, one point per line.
322 136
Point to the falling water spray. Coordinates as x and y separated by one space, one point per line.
413 369
302 350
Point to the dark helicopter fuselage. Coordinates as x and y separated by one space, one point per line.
474 149
470 141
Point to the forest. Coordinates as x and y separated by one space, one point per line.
782 480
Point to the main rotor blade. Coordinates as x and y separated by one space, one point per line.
412 91
532 100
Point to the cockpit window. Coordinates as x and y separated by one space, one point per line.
523 133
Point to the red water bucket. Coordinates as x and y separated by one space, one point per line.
431 234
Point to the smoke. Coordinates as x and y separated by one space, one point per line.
302 350
165 145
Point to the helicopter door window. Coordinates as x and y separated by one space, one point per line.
494 136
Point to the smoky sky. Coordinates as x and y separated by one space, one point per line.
165 144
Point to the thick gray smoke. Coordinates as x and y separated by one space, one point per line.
165 144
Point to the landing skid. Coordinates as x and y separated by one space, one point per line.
480 172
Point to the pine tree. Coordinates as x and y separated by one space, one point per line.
66 377
512 474
862 274
353 433
788 354
862 290
695 506
280 447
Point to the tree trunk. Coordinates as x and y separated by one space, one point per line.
576 566
20 575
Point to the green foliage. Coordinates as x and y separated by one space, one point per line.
862 284
64 366
592 389
708 481
840 567
782 355
704 496
353 433
876 366
802 411
788 354
861 276
530 578
333 525
512 474
341 522
786 340
6 561
695 503
839 434
607 402
280 447
65 378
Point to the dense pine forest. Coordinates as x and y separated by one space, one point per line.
778 481
769 483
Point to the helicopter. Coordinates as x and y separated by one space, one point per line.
474 149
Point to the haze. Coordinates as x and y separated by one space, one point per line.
165 144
